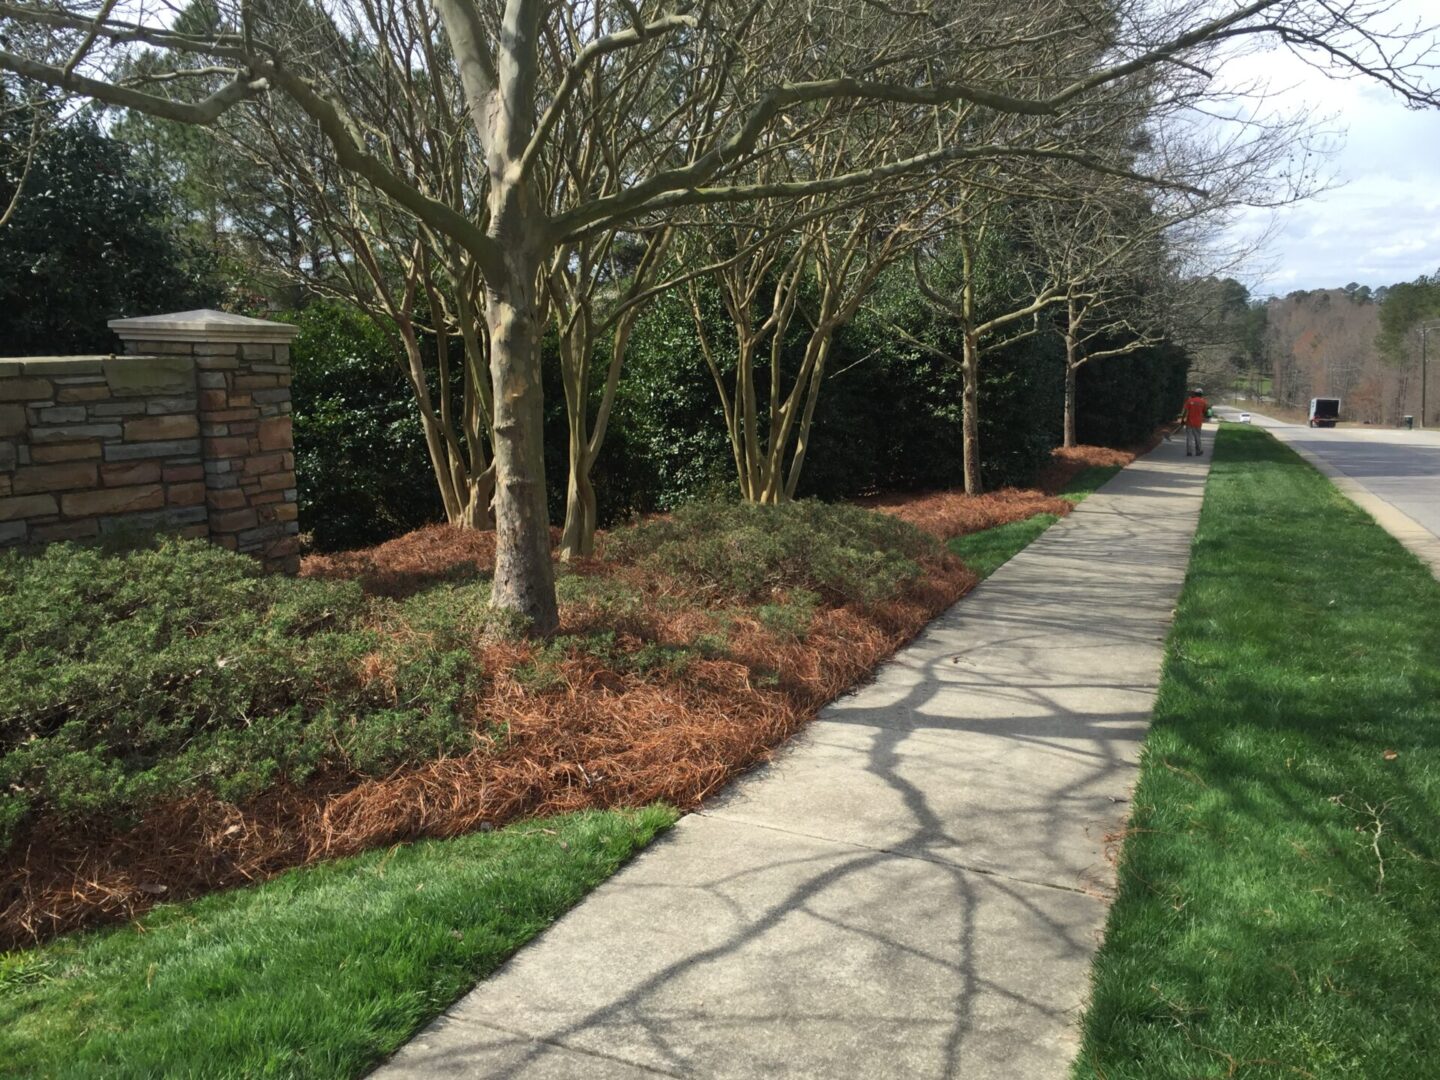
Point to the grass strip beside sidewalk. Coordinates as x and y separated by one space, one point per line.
319 972
1279 904
986 551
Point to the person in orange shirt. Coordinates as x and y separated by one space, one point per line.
1193 416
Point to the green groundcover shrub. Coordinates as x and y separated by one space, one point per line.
131 677
749 552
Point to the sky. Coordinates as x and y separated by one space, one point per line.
1379 220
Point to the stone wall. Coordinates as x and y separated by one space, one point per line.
189 431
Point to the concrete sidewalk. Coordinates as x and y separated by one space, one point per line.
916 886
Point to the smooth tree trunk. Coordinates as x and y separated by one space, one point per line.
767 468
772 473
969 366
524 582
1073 360
577 537
1072 370
964 311
466 497
582 516
500 97
769 472
476 512
802 440
970 413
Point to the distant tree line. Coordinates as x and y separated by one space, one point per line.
1355 342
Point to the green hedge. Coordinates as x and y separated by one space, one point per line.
889 417
360 459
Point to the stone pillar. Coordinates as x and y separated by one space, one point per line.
95 445
242 373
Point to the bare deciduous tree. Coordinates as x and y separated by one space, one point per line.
801 268
725 95
28 120
986 322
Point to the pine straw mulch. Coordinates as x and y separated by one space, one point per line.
407 564
1068 462
947 514
600 738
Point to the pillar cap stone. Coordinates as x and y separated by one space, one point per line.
203 325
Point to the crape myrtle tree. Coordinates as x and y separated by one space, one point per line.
1100 245
595 298
799 272
1109 253
1102 314
417 282
811 262
1093 242
732 88
428 288
974 277
989 269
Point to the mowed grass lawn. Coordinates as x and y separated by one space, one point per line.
1279 904
320 972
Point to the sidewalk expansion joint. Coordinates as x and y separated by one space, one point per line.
569 1049
950 863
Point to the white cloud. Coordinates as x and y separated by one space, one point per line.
1379 222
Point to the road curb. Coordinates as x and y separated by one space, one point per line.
1417 539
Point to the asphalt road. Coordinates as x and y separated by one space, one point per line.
1401 467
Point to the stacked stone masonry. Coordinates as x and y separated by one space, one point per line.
189 431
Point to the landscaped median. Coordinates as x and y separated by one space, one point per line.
1279 904
176 724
